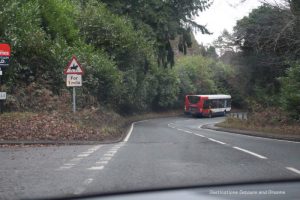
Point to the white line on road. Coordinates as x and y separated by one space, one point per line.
188 131
293 170
129 133
106 158
112 151
179 129
96 168
69 164
250 152
83 155
213 140
199 135
102 162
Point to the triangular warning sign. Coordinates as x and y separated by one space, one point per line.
74 67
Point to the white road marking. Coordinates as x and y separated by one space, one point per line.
102 162
129 133
199 135
213 140
250 152
188 131
106 158
112 151
293 170
96 168
179 129
69 164
83 155
88 152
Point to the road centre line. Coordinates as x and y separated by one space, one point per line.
250 152
213 140
293 170
187 131
199 135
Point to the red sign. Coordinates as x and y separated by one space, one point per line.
4 50
74 67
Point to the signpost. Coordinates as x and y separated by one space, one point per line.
74 73
5 52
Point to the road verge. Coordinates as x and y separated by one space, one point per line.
253 133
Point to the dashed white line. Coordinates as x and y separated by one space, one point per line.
199 135
112 151
293 170
250 152
96 168
87 181
83 155
217 141
188 131
69 164
102 162
106 158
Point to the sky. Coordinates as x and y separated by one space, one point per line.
223 14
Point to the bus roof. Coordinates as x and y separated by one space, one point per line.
214 96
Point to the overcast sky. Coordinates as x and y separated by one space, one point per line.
223 14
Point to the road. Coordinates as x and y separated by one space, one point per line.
157 153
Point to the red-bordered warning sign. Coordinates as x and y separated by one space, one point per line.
74 67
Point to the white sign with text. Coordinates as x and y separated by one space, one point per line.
74 80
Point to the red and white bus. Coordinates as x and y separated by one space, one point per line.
207 105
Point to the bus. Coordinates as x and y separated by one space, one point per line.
207 105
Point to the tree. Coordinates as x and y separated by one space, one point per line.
163 21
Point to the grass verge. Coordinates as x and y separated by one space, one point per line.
261 128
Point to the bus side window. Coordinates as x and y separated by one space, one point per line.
229 103
214 104
221 103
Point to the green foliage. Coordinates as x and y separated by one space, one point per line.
57 19
202 75
290 91
163 21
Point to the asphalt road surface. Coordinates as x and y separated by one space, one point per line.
158 153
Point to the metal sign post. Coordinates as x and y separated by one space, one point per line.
74 73
74 100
